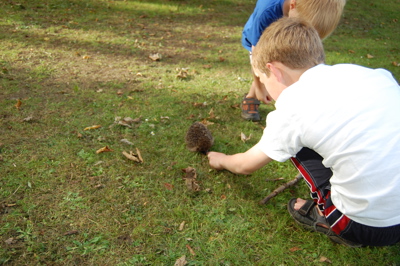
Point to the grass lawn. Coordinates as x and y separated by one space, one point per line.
76 78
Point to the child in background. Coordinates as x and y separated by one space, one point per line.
324 15
339 125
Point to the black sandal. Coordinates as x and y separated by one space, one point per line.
308 217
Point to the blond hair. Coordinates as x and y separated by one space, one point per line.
291 41
324 15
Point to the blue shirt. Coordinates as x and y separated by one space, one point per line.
265 12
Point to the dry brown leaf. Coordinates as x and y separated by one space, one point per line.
182 74
18 104
123 123
92 127
73 232
244 138
293 249
104 149
168 186
325 259
131 156
28 119
211 114
370 56
139 155
191 250
351 51
182 226
200 104
10 241
181 261
206 122
126 141
155 57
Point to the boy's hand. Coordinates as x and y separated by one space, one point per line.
214 159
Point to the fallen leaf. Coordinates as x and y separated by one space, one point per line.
181 226
211 114
155 57
223 197
395 63
139 155
182 74
207 66
221 59
200 104
168 186
370 56
28 119
10 241
126 141
351 52
325 259
181 261
104 149
123 123
244 138
86 57
293 249
92 127
191 250
73 232
131 156
99 186
18 104
127 121
206 122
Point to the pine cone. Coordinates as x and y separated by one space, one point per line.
199 138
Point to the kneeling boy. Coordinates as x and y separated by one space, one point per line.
340 125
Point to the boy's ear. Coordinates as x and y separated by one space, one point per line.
292 4
276 71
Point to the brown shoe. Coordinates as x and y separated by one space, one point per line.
250 109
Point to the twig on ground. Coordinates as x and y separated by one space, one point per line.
281 188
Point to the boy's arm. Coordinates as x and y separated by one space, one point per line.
240 163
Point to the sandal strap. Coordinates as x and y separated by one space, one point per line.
250 101
307 207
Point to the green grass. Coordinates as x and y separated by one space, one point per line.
74 64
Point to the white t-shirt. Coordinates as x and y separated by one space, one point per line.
350 115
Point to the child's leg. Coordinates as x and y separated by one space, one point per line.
317 176
250 104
